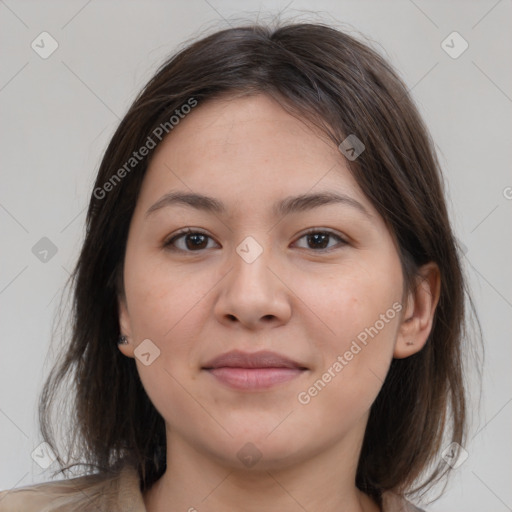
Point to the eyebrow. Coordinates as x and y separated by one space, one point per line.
286 206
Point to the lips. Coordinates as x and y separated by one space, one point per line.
258 371
264 359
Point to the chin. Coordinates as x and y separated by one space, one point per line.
256 450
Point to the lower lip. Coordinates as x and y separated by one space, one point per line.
254 378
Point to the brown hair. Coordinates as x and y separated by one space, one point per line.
342 85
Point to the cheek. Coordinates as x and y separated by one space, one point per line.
349 301
164 308
168 309
163 302
353 368
360 310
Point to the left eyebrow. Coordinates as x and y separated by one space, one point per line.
286 206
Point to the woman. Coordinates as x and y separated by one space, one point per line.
269 303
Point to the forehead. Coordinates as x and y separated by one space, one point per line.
247 150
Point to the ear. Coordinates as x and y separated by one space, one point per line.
125 327
418 317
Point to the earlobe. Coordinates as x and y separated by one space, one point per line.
419 312
125 342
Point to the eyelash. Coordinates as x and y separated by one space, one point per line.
181 234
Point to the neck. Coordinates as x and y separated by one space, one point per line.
196 481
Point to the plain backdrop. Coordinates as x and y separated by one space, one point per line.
58 113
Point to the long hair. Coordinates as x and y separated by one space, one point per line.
344 87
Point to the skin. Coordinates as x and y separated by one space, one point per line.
294 299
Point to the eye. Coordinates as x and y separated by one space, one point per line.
320 239
193 241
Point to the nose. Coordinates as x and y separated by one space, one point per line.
254 293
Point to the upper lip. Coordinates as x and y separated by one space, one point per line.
263 359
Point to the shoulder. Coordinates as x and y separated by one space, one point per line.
392 502
119 492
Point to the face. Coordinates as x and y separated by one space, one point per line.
316 282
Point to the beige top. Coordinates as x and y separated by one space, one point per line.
119 493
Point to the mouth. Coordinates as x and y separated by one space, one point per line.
256 371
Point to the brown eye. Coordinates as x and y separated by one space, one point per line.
318 240
189 241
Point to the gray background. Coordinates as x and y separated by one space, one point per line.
58 113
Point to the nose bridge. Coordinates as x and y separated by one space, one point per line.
250 265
